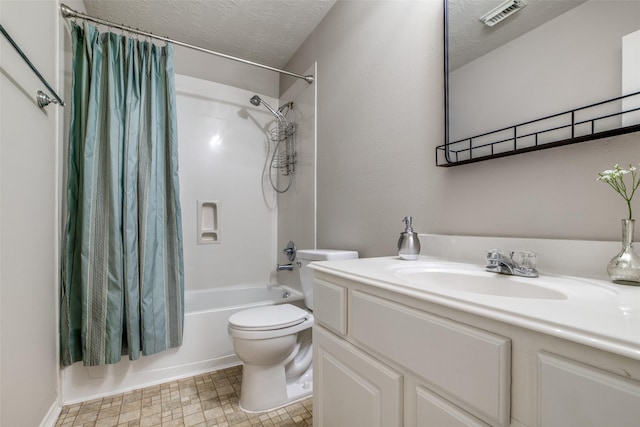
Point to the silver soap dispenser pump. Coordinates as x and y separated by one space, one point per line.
408 244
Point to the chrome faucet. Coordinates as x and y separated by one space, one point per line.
288 267
524 265
290 253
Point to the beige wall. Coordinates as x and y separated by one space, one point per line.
380 117
28 217
297 206
220 70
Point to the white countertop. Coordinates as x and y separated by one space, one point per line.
594 312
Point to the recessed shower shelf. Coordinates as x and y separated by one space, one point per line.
208 222
600 120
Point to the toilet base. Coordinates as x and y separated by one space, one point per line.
253 399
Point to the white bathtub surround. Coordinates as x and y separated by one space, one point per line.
206 346
222 151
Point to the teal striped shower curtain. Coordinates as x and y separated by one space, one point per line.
122 279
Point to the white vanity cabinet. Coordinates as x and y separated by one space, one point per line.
387 357
392 365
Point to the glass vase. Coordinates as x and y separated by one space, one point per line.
624 268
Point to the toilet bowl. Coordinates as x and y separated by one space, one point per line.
274 344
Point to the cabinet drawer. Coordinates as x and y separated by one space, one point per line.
468 366
330 306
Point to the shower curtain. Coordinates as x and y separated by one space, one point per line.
122 276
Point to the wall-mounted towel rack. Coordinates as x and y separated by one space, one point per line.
42 98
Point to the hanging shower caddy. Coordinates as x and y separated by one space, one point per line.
282 134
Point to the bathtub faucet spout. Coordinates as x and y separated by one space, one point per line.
287 267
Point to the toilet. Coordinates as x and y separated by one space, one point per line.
274 343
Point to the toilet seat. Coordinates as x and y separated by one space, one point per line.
268 318
275 346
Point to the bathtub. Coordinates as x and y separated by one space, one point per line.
237 297
206 344
207 313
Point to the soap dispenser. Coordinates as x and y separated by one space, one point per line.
408 244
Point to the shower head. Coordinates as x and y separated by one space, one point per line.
256 100
288 106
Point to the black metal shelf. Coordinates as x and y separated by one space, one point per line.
552 131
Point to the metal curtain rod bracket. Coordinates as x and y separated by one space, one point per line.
67 12
42 98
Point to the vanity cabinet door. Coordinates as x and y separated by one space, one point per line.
433 410
575 395
352 389
468 366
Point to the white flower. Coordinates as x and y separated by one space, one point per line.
615 178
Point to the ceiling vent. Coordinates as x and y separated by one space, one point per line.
502 12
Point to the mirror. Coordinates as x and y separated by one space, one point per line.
551 73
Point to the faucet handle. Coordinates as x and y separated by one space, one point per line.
526 259
493 259
493 254
290 251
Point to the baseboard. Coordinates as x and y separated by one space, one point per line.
52 416
113 387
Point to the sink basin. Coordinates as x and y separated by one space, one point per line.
477 281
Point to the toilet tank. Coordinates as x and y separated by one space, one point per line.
305 256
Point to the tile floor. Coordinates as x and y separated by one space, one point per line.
206 400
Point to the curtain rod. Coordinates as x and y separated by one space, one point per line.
67 12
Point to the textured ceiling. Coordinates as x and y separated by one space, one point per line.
264 31
470 39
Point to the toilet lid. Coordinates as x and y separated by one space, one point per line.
268 317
